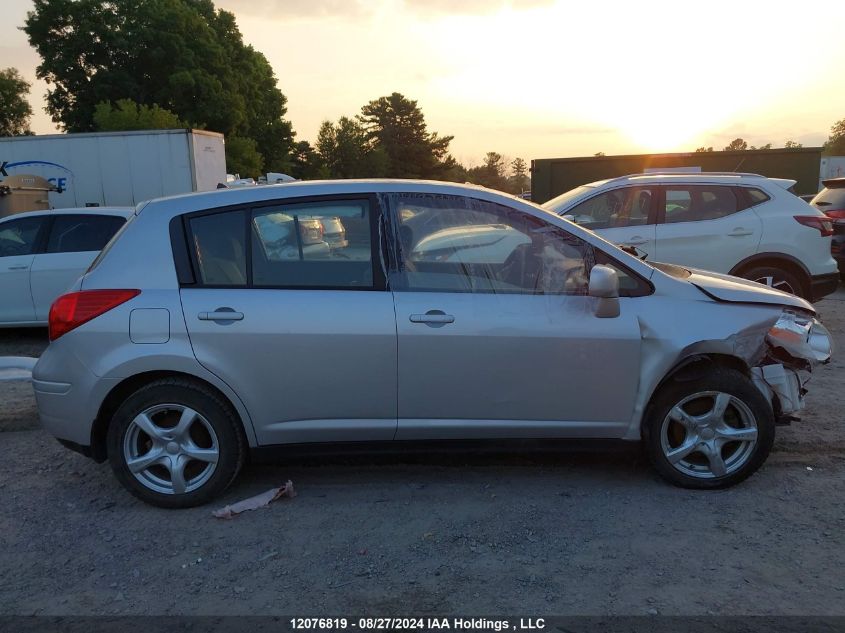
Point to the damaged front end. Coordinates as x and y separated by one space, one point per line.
794 345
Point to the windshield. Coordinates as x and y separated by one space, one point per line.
556 204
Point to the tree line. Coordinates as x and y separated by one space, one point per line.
114 65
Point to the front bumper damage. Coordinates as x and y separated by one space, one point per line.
784 388
793 346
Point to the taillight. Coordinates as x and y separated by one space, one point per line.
823 225
836 214
73 309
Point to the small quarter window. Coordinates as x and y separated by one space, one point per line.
756 196
218 243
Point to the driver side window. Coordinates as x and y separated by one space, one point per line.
458 244
629 206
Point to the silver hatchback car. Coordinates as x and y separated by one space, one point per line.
449 312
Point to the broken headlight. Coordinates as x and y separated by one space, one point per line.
802 337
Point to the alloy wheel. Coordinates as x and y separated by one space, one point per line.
708 435
776 283
171 449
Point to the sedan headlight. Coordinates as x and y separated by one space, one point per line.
802 336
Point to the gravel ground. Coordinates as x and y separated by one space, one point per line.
555 534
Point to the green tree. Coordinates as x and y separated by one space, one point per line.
396 125
599 154
790 144
183 55
491 173
835 145
737 144
15 110
704 149
128 115
766 146
519 176
243 157
306 162
348 151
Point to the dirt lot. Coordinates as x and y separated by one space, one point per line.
562 534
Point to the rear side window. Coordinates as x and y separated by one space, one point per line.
307 245
220 248
82 233
318 245
693 203
20 237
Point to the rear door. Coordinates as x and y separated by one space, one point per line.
625 216
705 226
302 330
72 244
20 239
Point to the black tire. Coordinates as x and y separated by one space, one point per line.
717 379
781 279
213 409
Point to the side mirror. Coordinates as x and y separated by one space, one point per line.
604 286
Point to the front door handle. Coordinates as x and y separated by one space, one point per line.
740 232
18 267
433 317
635 241
221 314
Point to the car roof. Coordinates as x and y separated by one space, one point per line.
186 203
702 176
124 212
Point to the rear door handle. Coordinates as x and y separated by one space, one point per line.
221 315
740 232
635 241
433 316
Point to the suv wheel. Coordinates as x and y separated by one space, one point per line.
776 278
175 444
711 432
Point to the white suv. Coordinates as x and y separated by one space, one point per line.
740 224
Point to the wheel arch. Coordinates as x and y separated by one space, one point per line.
126 387
776 260
693 367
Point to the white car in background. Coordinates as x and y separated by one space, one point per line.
745 225
42 253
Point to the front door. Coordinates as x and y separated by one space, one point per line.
302 329
497 337
624 216
19 241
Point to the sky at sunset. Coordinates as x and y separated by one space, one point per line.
543 78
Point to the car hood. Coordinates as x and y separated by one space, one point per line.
735 289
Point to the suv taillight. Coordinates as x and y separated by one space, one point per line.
822 224
75 308
836 214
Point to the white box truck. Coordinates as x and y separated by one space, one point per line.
117 168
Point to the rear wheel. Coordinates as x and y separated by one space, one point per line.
776 278
711 432
175 443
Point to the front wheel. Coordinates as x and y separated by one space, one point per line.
175 443
711 432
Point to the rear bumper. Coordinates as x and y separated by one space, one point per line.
823 285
